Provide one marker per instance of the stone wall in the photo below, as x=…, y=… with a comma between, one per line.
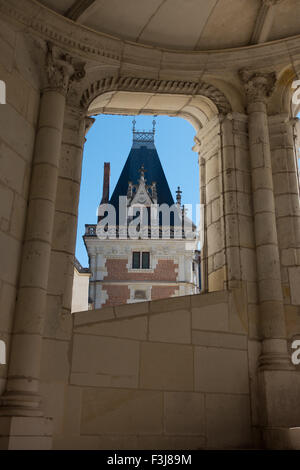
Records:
x=18, y=119
x=171, y=373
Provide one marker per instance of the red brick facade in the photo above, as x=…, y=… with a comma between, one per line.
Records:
x=165, y=271
x=117, y=271
x=117, y=295
x=162, y=292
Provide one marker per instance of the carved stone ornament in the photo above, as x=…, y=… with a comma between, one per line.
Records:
x=150, y=85
x=258, y=86
x=62, y=70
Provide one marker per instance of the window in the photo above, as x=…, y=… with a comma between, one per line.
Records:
x=145, y=260
x=140, y=295
x=140, y=260
x=136, y=260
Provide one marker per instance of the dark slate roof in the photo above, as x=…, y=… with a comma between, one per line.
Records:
x=143, y=154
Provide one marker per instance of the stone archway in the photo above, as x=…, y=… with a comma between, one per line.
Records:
x=197, y=102
x=148, y=85
x=252, y=224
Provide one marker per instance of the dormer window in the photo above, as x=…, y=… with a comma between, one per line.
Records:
x=140, y=260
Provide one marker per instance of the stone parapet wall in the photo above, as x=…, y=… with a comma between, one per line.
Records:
x=170, y=373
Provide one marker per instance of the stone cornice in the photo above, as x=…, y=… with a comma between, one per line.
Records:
x=61, y=31
x=103, y=48
x=148, y=85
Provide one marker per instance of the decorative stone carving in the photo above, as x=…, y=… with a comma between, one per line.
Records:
x=258, y=86
x=149, y=85
x=53, y=27
x=62, y=70
x=139, y=194
x=89, y=122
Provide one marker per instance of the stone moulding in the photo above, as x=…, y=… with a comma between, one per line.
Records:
x=148, y=85
x=79, y=39
x=31, y=15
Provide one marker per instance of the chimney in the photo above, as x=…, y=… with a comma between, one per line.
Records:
x=106, y=179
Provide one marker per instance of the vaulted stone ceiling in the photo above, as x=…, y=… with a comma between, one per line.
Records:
x=186, y=24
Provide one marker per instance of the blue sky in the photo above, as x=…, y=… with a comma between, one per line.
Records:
x=110, y=139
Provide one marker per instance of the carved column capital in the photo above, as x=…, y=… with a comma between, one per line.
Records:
x=89, y=121
x=293, y=121
x=225, y=117
x=258, y=86
x=61, y=71
x=295, y=126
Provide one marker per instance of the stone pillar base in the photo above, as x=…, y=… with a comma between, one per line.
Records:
x=295, y=438
x=282, y=438
x=24, y=433
x=279, y=408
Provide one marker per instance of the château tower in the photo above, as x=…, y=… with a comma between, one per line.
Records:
x=150, y=265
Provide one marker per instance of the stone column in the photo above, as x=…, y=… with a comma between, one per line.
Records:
x=235, y=194
x=278, y=383
x=203, y=247
x=204, y=271
x=286, y=191
x=22, y=396
x=226, y=189
x=58, y=324
x=258, y=87
x=214, y=265
x=61, y=275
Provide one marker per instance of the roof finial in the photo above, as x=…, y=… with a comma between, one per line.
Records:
x=154, y=124
x=178, y=196
x=142, y=172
